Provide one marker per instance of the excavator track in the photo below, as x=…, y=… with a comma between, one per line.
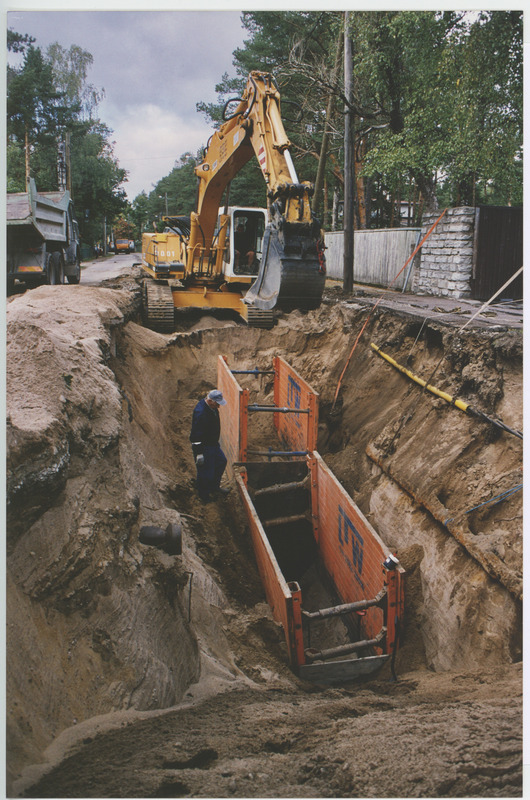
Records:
x=159, y=311
x=258, y=318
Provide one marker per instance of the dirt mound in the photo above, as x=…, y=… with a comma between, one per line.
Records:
x=448, y=735
x=97, y=432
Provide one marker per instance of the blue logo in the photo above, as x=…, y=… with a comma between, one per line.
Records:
x=350, y=539
x=294, y=398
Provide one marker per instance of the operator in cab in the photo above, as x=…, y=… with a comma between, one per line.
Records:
x=204, y=437
x=243, y=247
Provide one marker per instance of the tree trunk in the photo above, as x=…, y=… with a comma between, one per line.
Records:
x=427, y=187
x=319, y=181
x=361, y=187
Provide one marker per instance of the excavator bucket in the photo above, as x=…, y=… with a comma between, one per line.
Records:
x=292, y=273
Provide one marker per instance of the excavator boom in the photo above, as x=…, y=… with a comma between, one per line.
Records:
x=292, y=269
x=286, y=265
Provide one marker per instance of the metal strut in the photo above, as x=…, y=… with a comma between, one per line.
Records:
x=332, y=652
x=346, y=608
x=277, y=409
x=270, y=523
x=255, y=371
x=282, y=487
x=270, y=453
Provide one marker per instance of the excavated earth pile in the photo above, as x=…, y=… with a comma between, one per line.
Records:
x=134, y=673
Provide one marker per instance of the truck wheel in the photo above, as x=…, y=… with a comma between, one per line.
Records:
x=76, y=277
x=55, y=270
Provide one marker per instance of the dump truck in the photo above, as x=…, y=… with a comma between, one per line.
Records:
x=250, y=260
x=42, y=238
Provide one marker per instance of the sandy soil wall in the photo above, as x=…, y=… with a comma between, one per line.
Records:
x=97, y=432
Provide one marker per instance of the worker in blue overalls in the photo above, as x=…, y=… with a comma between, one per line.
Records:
x=209, y=458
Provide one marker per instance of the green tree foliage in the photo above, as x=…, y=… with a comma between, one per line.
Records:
x=179, y=186
x=70, y=71
x=48, y=98
x=35, y=108
x=438, y=102
x=18, y=42
x=96, y=178
x=123, y=228
x=448, y=89
x=140, y=214
x=485, y=71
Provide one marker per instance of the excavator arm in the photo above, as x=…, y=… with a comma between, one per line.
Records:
x=292, y=271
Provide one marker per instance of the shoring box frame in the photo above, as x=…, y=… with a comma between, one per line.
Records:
x=297, y=430
x=350, y=549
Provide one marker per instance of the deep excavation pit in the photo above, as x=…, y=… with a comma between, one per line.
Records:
x=134, y=673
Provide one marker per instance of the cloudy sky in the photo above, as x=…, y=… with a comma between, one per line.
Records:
x=154, y=67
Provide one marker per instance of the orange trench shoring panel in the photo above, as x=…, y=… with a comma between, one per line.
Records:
x=360, y=566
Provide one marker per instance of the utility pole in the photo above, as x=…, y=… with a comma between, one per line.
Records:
x=68, y=163
x=26, y=157
x=349, y=162
x=61, y=167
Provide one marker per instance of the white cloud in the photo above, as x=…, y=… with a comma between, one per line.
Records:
x=155, y=66
x=150, y=139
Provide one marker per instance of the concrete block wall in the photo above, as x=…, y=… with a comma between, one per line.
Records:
x=446, y=264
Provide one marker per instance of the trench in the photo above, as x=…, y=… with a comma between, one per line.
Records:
x=132, y=628
x=458, y=614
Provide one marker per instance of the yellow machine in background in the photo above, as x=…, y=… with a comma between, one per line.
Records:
x=199, y=261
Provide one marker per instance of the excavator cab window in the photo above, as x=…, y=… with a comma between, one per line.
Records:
x=249, y=227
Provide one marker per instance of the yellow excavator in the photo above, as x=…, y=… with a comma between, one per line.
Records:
x=249, y=260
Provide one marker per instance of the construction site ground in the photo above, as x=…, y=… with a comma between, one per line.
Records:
x=132, y=673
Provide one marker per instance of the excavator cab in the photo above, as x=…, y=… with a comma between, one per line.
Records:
x=244, y=243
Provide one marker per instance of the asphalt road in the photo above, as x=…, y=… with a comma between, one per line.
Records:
x=102, y=269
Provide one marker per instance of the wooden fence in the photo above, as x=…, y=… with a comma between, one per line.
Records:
x=378, y=256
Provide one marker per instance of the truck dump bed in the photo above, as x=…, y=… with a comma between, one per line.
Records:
x=44, y=212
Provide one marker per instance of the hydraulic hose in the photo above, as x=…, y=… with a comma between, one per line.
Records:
x=447, y=397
